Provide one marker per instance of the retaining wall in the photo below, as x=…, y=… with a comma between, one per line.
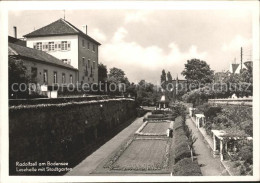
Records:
x=53, y=132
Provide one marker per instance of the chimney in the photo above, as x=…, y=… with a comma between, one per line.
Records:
x=85, y=29
x=15, y=32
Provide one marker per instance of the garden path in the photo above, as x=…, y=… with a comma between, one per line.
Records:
x=92, y=161
x=209, y=165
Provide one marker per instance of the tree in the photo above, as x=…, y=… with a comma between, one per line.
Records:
x=198, y=72
x=18, y=75
x=102, y=73
x=169, y=77
x=163, y=79
x=117, y=76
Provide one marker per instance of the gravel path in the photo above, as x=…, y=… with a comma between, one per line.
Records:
x=210, y=166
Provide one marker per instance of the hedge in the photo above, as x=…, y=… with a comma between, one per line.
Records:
x=181, y=151
x=186, y=167
x=161, y=112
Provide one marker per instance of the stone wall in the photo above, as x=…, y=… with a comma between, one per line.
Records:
x=228, y=101
x=54, y=132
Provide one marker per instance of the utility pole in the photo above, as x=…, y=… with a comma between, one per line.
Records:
x=241, y=55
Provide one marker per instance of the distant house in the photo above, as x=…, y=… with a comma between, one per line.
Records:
x=74, y=47
x=235, y=68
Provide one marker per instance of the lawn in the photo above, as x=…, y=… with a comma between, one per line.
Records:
x=156, y=127
x=144, y=154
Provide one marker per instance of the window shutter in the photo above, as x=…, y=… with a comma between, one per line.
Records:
x=59, y=45
x=69, y=45
x=69, y=61
x=34, y=45
x=44, y=47
x=55, y=46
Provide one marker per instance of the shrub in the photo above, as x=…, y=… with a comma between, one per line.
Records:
x=181, y=151
x=186, y=167
x=246, y=153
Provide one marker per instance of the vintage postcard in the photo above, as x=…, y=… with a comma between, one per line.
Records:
x=123, y=91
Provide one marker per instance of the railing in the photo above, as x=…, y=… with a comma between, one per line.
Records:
x=238, y=101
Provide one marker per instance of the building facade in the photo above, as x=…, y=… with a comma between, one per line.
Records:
x=44, y=69
x=72, y=46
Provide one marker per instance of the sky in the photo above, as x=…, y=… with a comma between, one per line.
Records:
x=143, y=42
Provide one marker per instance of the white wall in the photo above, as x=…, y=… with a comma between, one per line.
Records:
x=72, y=54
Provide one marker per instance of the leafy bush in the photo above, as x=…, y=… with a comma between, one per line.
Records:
x=140, y=112
x=186, y=167
x=209, y=111
x=246, y=153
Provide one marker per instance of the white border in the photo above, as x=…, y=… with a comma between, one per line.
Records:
x=162, y=5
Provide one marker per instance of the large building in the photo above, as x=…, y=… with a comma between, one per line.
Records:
x=72, y=46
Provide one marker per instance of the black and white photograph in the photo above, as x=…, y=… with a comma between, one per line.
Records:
x=161, y=90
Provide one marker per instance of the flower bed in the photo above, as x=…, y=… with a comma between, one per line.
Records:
x=153, y=128
x=134, y=155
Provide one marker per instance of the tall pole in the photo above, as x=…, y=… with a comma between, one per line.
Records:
x=241, y=55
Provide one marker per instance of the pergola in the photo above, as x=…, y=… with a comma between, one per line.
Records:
x=164, y=102
x=191, y=111
x=224, y=140
x=200, y=120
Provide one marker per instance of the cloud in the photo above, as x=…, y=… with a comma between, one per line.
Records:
x=236, y=43
x=139, y=16
x=130, y=56
x=98, y=35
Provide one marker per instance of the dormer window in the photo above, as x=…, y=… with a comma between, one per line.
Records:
x=39, y=46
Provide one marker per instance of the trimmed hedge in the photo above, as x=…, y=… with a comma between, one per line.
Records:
x=182, y=151
x=161, y=112
x=186, y=167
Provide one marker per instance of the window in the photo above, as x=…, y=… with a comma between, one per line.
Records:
x=94, y=47
x=94, y=64
x=34, y=74
x=39, y=46
x=66, y=61
x=83, y=61
x=71, y=79
x=45, y=76
x=65, y=45
x=63, y=78
x=88, y=63
x=51, y=46
x=55, y=77
x=86, y=70
x=88, y=45
x=83, y=43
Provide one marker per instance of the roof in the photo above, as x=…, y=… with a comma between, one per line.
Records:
x=230, y=133
x=234, y=67
x=200, y=115
x=14, y=49
x=16, y=41
x=164, y=99
x=59, y=27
